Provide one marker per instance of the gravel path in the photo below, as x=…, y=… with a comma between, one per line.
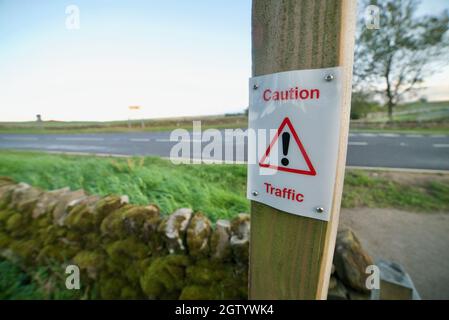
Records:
x=418, y=241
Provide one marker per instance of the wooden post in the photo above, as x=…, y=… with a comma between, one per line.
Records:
x=291, y=256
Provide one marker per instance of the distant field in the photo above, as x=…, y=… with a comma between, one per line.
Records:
x=217, y=190
x=417, y=111
x=231, y=121
x=417, y=117
x=429, y=117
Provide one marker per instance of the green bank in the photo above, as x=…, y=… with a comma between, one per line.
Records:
x=216, y=190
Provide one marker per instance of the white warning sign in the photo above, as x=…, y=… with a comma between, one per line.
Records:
x=294, y=123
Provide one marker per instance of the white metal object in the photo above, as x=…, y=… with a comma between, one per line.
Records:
x=294, y=123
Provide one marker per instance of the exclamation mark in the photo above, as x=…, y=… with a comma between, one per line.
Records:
x=285, y=143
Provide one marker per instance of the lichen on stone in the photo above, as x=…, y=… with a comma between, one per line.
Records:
x=351, y=260
x=67, y=199
x=173, y=229
x=17, y=225
x=240, y=234
x=219, y=242
x=198, y=234
x=82, y=215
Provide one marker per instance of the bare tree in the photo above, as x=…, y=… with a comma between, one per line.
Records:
x=395, y=59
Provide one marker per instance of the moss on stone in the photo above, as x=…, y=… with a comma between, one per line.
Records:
x=196, y=292
x=51, y=234
x=119, y=245
x=17, y=225
x=234, y=286
x=205, y=273
x=110, y=286
x=135, y=269
x=111, y=226
x=164, y=278
x=214, y=291
x=43, y=221
x=128, y=249
x=107, y=205
x=91, y=240
x=5, y=215
x=130, y=220
x=5, y=240
x=129, y=292
x=6, y=195
x=91, y=261
x=27, y=205
x=14, y=222
x=223, y=280
x=80, y=218
x=25, y=250
x=73, y=236
x=51, y=253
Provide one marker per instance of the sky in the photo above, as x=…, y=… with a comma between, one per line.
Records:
x=172, y=58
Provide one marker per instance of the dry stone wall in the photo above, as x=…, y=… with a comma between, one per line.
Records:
x=127, y=251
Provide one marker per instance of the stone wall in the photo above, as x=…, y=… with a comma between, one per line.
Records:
x=128, y=251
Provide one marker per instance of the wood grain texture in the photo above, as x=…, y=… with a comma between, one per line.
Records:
x=291, y=256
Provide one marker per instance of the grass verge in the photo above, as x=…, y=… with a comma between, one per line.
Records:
x=16, y=284
x=217, y=190
x=39, y=284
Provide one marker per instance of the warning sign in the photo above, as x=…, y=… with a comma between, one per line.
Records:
x=293, y=140
x=285, y=162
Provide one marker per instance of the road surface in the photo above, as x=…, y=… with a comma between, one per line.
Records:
x=412, y=151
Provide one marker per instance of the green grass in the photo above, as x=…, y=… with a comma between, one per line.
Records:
x=18, y=284
x=418, y=105
x=415, y=112
x=217, y=190
x=363, y=190
x=417, y=117
x=424, y=131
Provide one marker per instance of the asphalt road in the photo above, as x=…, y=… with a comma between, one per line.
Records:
x=412, y=151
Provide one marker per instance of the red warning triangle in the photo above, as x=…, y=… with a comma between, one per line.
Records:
x=311, y=170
